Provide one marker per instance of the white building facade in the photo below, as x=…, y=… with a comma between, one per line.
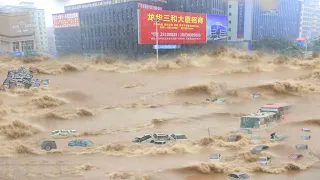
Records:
x=38, y=20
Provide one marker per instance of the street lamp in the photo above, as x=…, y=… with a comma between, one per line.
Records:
x=157, y=40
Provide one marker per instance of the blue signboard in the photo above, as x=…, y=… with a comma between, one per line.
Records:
x=217, y=27
x=167, y=46
x=241, y=13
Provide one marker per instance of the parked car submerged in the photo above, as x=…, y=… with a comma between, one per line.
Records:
x=278, y=137
x=215, y=157
x=302, y=147
x=80, y=142
x=296, y=157
x=305, y=138
x=259, y=149
x=48, y=145
x=306, y=130
x=177, y=136
x=147, y=138
x=234, y=138
x=264, y=160
x=238, y=176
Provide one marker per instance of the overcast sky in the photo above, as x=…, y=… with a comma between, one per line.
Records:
x=50, y=6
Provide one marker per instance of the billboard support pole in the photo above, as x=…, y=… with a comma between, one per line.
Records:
x=157, y=40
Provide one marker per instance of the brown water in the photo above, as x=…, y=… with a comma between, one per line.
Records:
x=111, y=103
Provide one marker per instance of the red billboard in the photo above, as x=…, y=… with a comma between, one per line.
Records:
x=65, y=20
x=173, y=27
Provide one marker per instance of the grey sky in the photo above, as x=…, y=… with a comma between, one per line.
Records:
x=50, y=6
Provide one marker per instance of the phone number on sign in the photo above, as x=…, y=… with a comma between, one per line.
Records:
x=163, y=34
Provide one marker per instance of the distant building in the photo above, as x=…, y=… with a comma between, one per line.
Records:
x=310, y=19
x=16, y=33
x=280, y=19
x=51, y=41
x=38, y=20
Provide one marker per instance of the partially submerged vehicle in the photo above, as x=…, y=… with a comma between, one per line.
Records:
x=301, y=147
x=278, y=137
x=160, y=137
x=256, y=120
x=239, y=176
x=146, y=138
x=306, y=130
x=234, y=138
x=215, y=157
x=80, y=142
x=296, y=157
x=264, y=160
x=259, y=149
x=177, y=136
x=64, y=132
x=281, y=110
x=305, y=138
x=216, y=100
x=48, y=145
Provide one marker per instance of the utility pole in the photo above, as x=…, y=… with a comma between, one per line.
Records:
x=157, y=39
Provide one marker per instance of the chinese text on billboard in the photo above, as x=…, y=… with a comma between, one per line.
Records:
x=217, y=26
x=66, y=20
x=173, y=27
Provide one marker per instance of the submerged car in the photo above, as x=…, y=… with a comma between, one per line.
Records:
x=264, y=160
x=305, y=138
x=302, y=147
x=48, y=145
x=177, y=136
x=160, y=137
x=64, y=132
x=259, y=149
x=306, y=130
x=278, y=137
x=296, y=157
x=215, y=157
x=234, y=138
x=80, y=142
x=147, y=138
x=238, y=176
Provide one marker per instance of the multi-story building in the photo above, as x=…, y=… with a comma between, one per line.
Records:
x=110, y=27
x=277, y=20
x=16, y=33
x=310, y=19
x=38, y=20
x=51, y=41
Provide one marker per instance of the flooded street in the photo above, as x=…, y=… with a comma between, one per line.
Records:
x=111, y=104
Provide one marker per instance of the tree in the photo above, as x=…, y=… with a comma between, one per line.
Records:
x=273, y=44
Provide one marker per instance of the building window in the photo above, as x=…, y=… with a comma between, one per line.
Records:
x=230, y=14
x=229, y=29
x=229, y=22
x=230, y=6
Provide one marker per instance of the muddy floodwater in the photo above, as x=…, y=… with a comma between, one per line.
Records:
x=112, y=102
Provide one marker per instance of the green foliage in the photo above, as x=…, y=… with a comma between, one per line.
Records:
x=273, y=44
